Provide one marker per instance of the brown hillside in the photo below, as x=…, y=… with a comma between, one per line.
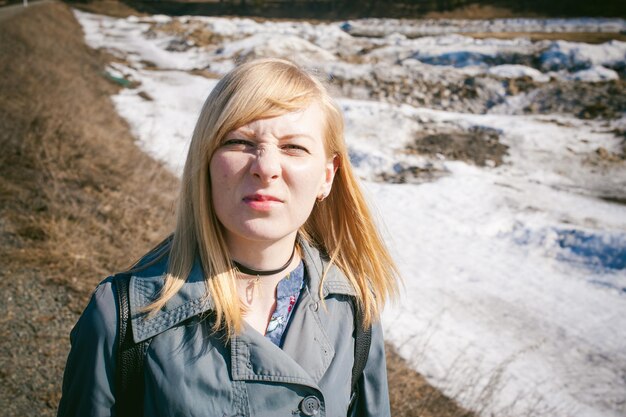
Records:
x=79, y=200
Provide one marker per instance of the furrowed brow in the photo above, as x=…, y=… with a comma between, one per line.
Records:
x=246, y=132
x=296, y=135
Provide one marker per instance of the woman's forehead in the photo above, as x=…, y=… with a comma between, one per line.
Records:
x=304, y=122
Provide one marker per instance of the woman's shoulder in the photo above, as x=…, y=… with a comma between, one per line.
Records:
x=100, y=316
x=98, y=322
x=88, y=378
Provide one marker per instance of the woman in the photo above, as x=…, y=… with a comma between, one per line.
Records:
x=249, y=305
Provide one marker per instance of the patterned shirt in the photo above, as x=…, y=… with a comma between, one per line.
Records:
x=287, y=294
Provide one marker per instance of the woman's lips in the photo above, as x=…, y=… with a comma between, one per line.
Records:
x=261, y=202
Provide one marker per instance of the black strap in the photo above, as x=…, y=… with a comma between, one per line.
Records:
x=130, y=357
x=362, y=342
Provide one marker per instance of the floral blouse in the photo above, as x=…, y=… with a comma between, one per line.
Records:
x=287, y=294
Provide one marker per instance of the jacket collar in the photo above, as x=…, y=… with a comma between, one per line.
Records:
x=335, y=281
x=192, y=299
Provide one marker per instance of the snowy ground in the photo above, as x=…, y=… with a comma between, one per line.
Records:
x=514, y=263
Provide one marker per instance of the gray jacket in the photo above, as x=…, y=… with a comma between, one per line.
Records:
x=190, y=371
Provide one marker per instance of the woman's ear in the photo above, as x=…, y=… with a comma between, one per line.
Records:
x=330, y=169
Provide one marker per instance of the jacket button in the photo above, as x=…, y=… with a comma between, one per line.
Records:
x=310, y=406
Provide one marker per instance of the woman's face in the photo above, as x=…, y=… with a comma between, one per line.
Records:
x=266, y=176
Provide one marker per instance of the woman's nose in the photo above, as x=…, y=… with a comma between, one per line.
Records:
x=266, y=164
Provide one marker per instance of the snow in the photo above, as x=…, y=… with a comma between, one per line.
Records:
x=428, y=27
x=572, y=55
x=518, y=71
x=163, y=124
x=282, y=46
x=514, y=299
x=594, y=74
x=125, y=39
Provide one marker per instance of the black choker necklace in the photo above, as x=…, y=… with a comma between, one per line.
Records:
x=249, y=271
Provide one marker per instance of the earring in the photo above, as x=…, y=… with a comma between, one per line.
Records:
x=321, y=198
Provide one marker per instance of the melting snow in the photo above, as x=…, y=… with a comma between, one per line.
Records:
x=515, y=273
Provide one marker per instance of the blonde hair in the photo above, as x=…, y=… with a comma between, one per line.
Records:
x=341, y=225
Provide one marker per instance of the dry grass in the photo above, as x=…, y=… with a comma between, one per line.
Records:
x=587, y=37
x=79, y=200
x=195, y=32
x=477, y=11
x=412, y=396
x=112, y=8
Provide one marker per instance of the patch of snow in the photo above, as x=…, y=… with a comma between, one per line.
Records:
x=575, y=55
x=164, y=123
x=280, y=46
x=377, y=27
x=515, y=294
x=518, y=71
x=594, y=74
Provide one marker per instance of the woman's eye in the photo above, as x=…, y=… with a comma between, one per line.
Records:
x=294, y=149
x=238, y=143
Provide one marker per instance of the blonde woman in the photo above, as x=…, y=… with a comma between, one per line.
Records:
x=253, y=305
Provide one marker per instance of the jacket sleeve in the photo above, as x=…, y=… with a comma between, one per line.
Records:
x=90, y=370
x=373, y=395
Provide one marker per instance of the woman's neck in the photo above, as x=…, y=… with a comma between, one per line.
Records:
x=263, y=255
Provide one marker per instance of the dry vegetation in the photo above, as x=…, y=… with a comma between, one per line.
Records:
x=586, y=37
x=78, y=197
x=412, y=396
x=112, y=8
x=477, y=11
x=79, y=200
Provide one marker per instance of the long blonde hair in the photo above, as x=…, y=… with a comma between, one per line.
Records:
x=341, y=225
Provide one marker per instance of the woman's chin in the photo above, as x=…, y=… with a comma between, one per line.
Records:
x=267, y=234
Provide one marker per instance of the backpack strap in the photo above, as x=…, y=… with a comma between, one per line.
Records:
x=130, y=357
x=362, y=342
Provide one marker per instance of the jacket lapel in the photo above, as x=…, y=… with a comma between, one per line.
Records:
x=304, y=358
x=306, y=341
x=307, y=352
x=256, y=358
x=145, y=287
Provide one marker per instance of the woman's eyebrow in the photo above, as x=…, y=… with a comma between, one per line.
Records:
x=243, y=131
x=296, y=135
